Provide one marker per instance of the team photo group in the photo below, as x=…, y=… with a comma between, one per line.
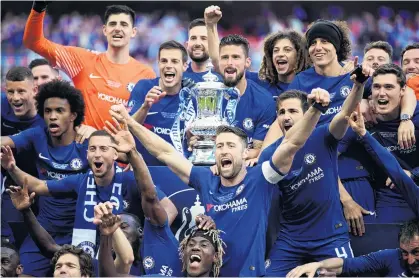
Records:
x=204, y=162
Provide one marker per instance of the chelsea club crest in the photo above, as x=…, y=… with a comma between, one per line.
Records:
x=76, y=164
x=148, y=262
x=248, y=124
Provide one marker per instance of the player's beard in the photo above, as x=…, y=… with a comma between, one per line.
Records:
x=234, y=172
x=199, y=59
x=235, y=81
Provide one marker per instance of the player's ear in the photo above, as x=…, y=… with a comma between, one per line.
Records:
x=216, y=258
x=185, y=66
x=245, y=154
x=248, y=62
x=404, y=89
x=104, y=30
x=73, y=116
x=134, y=32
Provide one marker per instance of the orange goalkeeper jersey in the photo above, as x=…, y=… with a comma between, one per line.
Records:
x=413, y=83
x=101, y=82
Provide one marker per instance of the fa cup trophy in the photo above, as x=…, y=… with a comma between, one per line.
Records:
x=210, y=99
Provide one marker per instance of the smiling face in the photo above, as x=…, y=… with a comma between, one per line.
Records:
x=43, y=74
x=197, y=45
x=290, y=111
x=171, y=67
x=322, y=52
x=376, y=57
x=410, y=63
x=233, y=62
x=410, y=254
x=284, y=56
x=199, y=257
x=58, y=116
x=386, y=95
x=68, y=265
x=119, y=30
x=21, y=97
x=101, y=156
x=230, y=154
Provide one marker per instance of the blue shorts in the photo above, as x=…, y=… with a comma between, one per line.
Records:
x=362, y=192
x=288, y=254
x=392, y=214
x=34, y=263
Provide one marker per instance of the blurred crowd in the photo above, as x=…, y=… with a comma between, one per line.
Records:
x=396, y=27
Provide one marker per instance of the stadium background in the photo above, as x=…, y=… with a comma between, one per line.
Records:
x=79, y=24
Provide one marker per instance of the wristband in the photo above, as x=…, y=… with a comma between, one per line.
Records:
x=320, y=107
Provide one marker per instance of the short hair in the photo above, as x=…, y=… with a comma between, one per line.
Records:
x=41, y=62
x=408, y=231
x=85, y=260
x=101, y=132
x=391, y=69
x=232, y=129
x=61, y=89
x=196, y=22
x=6, y=244
x=345, y=50
x=17, y=74
x=174, y=45
x=290, y=94
x=267, y=70
x=408, y=47
x=237, y=40
x=380, y=45
x=214, y=236
x=119, y=9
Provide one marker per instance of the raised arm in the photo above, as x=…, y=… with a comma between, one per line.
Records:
x=297, y=136
x=339, y=124
x=387, y=162
x=212, y=15
x=8, y=162
x=22, y=202
x=152, y=208
x=155, y=145
x=406, y=132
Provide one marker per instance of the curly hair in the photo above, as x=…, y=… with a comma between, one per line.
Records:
x=217, y=242
x=61, y=89
x=345, y=50
x=86, y=265
x=267, y=70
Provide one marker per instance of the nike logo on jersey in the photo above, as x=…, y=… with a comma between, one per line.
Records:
x=92, y=76
x=43, y=157
x=8, y=126
x=152, y=113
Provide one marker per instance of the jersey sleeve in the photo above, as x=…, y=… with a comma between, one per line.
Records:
x=199, y=178
x=67, y=58
x=367, y=89
x=267, y=118
x=67, y=185
x=24, y=140
x=376, y=262
x=346, y=141
x=389, y=164
x=137, y=97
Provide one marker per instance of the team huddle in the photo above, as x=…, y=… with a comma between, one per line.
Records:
x=325, y=142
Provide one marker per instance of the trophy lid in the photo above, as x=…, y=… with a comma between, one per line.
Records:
x=210, y=79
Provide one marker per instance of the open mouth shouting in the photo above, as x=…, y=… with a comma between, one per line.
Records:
x=287, y=126
x=169, y=76
x=230, y=72
x=226, y=163
x=117, y=37
x=98, y=166
x=17, y=107
x=281, y=64
x=382, y=102
x=53, y=128
x=194, y=260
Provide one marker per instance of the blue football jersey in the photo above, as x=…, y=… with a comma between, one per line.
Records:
x=159, y=251
x=198, y=76
x=56, y=214
x=241, y=211
x=311, y=208
x=274, y=89
x=255, y=112
x=160, y=119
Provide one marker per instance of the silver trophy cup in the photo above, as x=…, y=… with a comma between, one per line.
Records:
x=209, y=96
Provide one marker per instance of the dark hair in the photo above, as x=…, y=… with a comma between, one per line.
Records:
x=232, y=129
x=85, y=260
x=41, y=62
x=19, y=74
x=391, y=69
x=196, y=22
x=101, y=132
x=267, y=70
x=345, y=49
x=61, y=89
x=408, y=231
x=380, y=45
x=174, y=45
x=293, y=94
x=236, y=40
x=119, y=9
x=6, y=244
x=411, y=46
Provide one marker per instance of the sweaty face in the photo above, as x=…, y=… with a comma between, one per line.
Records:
x=322, y=52
x=128, y=227
x=386, y=95
x=20, y=95
x=68, y=265
x=233, y=63
x=43, y=74
x=289, y=113
x=171, y=67
x=229, y=155
x=410, y=63
x=199, y=256
x=58, y=116
x=100, y=155
x=284, y=57
x=376, y=57
x=410, y=254
x=9, y=263
x=198, y=44
x=119, y=30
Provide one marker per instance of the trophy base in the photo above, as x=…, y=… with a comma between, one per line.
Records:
x=203, y=154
